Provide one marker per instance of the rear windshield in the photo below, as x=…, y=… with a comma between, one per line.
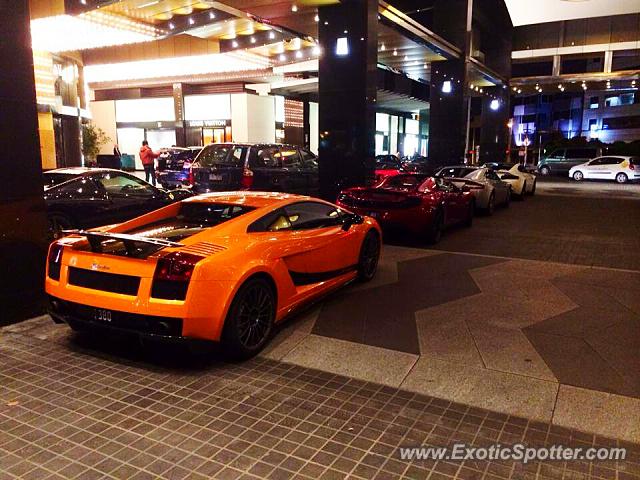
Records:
x=458, y=172
x=53, y=178
x=403, y=182
x=221, y=155
x=193, y=218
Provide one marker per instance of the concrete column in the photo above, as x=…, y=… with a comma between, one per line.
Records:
x=22, y=211
x=347, y=94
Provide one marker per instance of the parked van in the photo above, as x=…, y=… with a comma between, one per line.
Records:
x=563, y=159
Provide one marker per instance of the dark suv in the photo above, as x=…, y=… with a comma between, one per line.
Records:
x=174, y=167
x=264, y=167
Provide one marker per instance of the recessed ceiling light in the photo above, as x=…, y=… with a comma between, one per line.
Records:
x=294, y=8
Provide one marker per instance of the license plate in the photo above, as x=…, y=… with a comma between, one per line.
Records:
x=215, y=178
x=101, y=315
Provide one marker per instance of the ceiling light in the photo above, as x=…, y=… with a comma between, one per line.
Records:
x=253, y=39
x=89, y=30
x=316, y=50
x=316, y=18
x=342, y=46
x=282, y=57
x=294, y=8
x=171, y=26
x=234, y=44
x=189, y=65
x=145, y=5
x=395, y=53
x=494, y=105
x=212, y=15
x=299, y=54
x=382, y=48
x=272, y=35
x=471, y=86
x=191, y=21
x=446, y=87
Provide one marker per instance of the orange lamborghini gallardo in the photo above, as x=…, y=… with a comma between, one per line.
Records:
x=221, y=267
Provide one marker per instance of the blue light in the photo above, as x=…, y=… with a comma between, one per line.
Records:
x=495, y=104
x=446, y=86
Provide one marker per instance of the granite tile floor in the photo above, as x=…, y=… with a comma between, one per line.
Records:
x=74, y=407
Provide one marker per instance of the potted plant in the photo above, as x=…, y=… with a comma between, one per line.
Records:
x=93, y=138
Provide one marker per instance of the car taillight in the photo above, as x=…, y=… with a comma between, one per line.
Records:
x=54, y=260
x=247, y=179
x=172, y=275
x=191, y=176
x=631, y=166
x=176, y=267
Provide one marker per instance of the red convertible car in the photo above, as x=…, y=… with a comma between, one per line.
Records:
x=418, y=203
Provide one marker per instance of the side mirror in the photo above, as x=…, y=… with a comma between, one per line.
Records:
x=351, y=220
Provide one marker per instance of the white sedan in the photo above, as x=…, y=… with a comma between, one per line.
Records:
x=522, y=182
x=612, y=167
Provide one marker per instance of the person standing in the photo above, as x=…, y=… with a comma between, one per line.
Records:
x=117, y=156
x=147, y=157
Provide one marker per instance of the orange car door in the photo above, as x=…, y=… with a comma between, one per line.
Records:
x=325, y=247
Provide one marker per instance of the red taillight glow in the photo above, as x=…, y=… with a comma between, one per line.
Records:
x=176, y=267
x=191, y=176
x=247, y=179
x=632, y=166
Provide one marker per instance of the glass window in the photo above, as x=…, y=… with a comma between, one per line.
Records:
x=308, y=215
x=193, y=218
x=382, y=122
x=55, y=178
x=80, y=188
x=290, y=157
x=594, y=102
x=267, y=157
x=309, y=160
x=491, y=175
x=121, y=184
x=219, y=155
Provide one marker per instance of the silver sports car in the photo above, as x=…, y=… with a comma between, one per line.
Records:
x=485, y=184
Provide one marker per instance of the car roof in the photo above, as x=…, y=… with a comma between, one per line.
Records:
x=80, y=170
x=251, y=199
x=245, y=144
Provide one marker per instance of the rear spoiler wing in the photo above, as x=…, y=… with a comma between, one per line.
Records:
x=96, y=238
x=466, y=181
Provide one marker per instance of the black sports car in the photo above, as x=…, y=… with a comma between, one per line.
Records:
x=92, y=197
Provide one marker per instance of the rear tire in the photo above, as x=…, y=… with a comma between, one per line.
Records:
x=434, y=232
x=622, y=178
x=469, y=220
x=523, y=192
x=369, y=256
x=491, y=205
x=250, y=319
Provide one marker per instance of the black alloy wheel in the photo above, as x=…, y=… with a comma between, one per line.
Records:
x=369, y=256
x=491, y=206
x=250, y=319
x=434, y=232
x=468, y=222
